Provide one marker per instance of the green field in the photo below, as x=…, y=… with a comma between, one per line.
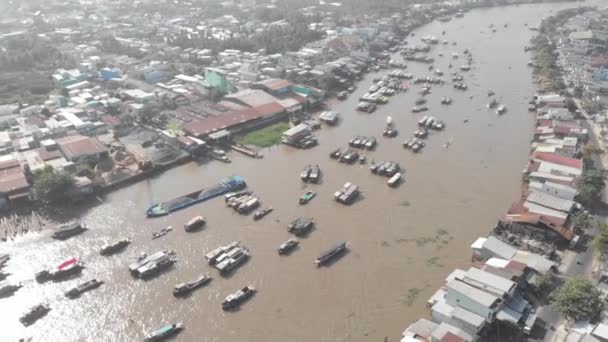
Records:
x=264, y=137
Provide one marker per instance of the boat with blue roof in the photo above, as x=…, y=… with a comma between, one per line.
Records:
x=226, y=185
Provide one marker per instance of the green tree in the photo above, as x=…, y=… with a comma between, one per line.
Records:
x=578, y=299
x=85, y=169
x=149, y=111
x=590, y=185
x=600, y=240
x=582, y=220
x=52, y=186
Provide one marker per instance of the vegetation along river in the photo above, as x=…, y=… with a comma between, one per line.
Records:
x=402, y=242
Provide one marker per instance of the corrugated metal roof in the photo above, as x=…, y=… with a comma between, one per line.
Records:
x=550, y=201
x=499, y=248
x=508, y=314
x=539, y=209
x=422, y=327
x=488, y=282
x=468, y=317
x=534, y=261
x=472, y=293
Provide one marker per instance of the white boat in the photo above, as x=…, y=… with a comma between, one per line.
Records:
x=389, y=120
x=501, y=109
x=394, y=181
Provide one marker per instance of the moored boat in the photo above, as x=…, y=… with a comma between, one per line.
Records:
x=34, y=314
x=69, y=230
x=164, y=332
x=288, y=246
x=501, y=109
x=214, y=255
x=115, y=247
x=8, y=290
x=305, y=173
x=196, y=222
x=226, y=185
x=82, y=288
x=258, y=215
x=314, y=175
x=300, y=226
x=185, y=288
x=307, y=197
x=161, y=232
x=394, y=181
x=331, y=253
x=233, y=300
x=66, y=269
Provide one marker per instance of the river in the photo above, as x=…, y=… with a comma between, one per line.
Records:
x=403, y=242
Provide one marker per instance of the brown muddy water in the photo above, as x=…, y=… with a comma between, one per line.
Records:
x=403, y=241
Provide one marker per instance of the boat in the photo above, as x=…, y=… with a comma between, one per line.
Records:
x=164, y=332
x=153, y=268
x=314, y=175
x=233, y=300
x=141, y=264
x=421, y=133
x=422, y=121
x=347, y=194
x=370, y=143
x=390, y=132
x=305, y=173
x=225, y=185
x=307, y=197
x=34, y=314
x=231, y=259
x=493, y=103
x=231, y=195
x=288, y=246
x=82, y=288
x=4, y=258
x=161, y=232
x=214, y=255
x=69, y=230
x=258, y=215
x=8, y=290
x=196, y=222
x=389, y=121
x=490, y=93
x=115, y=247
x=66, y=269
x=394, y=180
x=342, y=95
x=420, y=101
x=331, y=253
x=446, y=101
x=247, y=206
x=185, y=288
x=300, y=226
x=501, y=109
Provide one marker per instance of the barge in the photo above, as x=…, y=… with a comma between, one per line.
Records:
x=287, y=246
x=164, y=332
x=233, y=300
x=76, y=291
x=115, y=247
x=225, y=185
x=331, y=253
x=34, y=314
x=183, y=289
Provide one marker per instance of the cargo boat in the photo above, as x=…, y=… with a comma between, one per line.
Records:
x=305, y=173
x=314, y=175
x=164, y=332
x=153, y=258
x=195, y=223
x=331, y=253
x=34, y=314
x=69, y=230
x=232, y=260
x=300, y=226
x=348, y=193
x=9, y=289
x=82, y=288
x=235, y=299
x=258, y=215
x=115, y=247
x=183, y=289
x=66, y=269
x=225, y=185
x=288, y=246
x=307, y=197
x=394, y=181
x=216, y=253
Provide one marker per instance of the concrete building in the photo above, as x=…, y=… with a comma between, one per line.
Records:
x=78, y=147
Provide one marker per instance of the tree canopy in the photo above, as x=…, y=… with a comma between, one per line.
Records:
x=600, y=240
x=52, y=186
x=590, y=185
x=578, y=299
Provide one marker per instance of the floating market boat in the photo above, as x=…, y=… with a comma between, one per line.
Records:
x=112, y=248
x=69, y=230
x=183, y=289
x=65, y=269
x=307, y=197
x=233, y=300
x=82, y=288
x=314, y=175
x=305, y=173
x=258, y=215
x=196, y=222
x=300, y=226
x=225, y=185
x=288, y=246
x=331, y=253
x=164, y=332
x=34, y=314
x=7, y=290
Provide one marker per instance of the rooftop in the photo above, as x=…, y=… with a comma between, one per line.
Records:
x=75, y=146
x=473, y=293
